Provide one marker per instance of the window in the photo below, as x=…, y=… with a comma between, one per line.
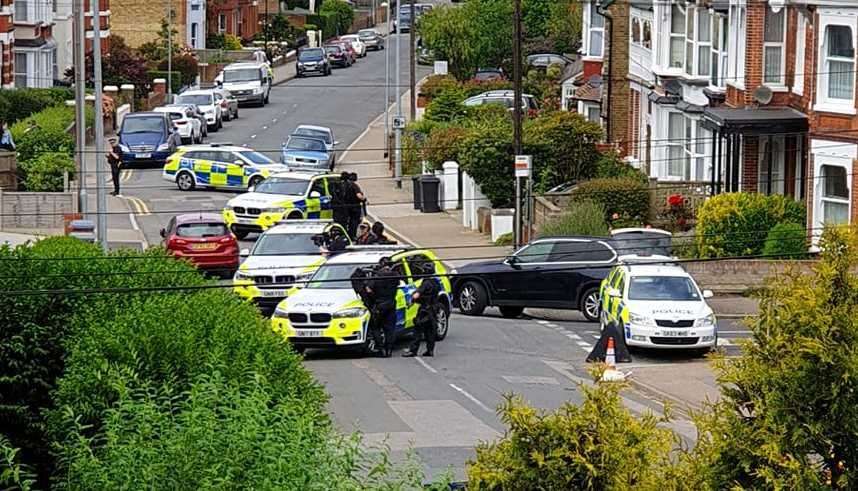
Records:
x=596, y=30
x=798, y=84
x=771, y=148
x=194, y=29
x=720, y=37
x=594, y=114
x=319, y=187
x=20, y=70
x=736, y=73
x=21, y=11
x=195, y=7
x=646, y=36
x=535, y=253
x=840, y=63
x=773, y=47
x=636, y=30
x=835, y=194
x=641, y=32
x=221, y=23
x=574, y=251
x=676, y=156
x=688, y=147
x=677, y=36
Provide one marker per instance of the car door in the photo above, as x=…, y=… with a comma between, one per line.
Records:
x=418, y=266
x=218, y=164
x=313, y=202
x=325, y=203
x=518, y=281
x=575, y=264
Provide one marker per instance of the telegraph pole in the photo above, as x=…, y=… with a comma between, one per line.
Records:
x=99, y=125
x=413, y=64
x=516, y=124
x=397, y=126
x=169, y=51
x=79, y=62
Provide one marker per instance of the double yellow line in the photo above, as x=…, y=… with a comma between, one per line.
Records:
x=140, y=206
x=125, y=175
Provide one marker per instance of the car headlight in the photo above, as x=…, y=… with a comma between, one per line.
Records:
x=210, y=110
x=350, y=313
x=304, y=277
x=124, y=148
x=163, y=147
x=274, y=210
x=641, y=320
x=257, y=90
x=281, y=313
x=707, y=321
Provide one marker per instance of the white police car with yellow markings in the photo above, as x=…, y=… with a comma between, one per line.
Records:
x=327, y=313
x=218, y=166
x=284, y=256
x=283, y=196
x=657, y=305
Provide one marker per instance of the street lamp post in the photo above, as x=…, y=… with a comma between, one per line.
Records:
x=386, y=5
x=169, y=51
x=397, y=130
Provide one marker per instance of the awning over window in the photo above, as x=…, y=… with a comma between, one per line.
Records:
x=755, y=121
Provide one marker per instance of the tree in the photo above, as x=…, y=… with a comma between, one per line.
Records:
x=343, y=13
x=277, y=29
x=788, y=416
x=167, y=35
x=120, y=65
x=185, y=64
x=450, y=34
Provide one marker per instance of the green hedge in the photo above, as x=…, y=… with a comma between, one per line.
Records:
x=176, y=81
x=627, y=197
x=46, y=172
x=786, y=241
x=17, y=104
x=734, y=224
x=584, y=218
x=327, y=22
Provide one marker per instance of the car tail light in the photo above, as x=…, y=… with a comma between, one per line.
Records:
x=177, y=242
x=227, y=240
x=224, y=104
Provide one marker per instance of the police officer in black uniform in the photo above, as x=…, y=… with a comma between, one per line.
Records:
x=426, y=322
x=338, y=200
x=383, y=287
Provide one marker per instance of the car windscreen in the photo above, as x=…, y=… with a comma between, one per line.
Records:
x=405, y=13
x=256, y=158
x=319, y=134
x=198, y=99
x=201, y=230
x=152, y=124
x=642, y=244
x=337, y=276
x=483, y=76
x=366, y=34
x=311, y=55
x=306, y=144
x=660, y=288
x=241, y=75
x=333, y=49
x=175, y=116
x=282, y=185
x=285, y=245
x=350, y=39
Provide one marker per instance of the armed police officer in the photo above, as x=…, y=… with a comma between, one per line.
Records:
x=426, y=322
x=383, y=287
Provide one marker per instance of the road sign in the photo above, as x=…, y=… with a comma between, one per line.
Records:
x=399, y=122
x=523, y=164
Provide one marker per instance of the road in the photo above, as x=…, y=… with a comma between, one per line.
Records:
x=347, y=101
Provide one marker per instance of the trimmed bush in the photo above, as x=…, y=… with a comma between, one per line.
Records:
x=737, y=224
x=446, y=106
x=611, y=165
x=435, y=84
x=18, y=104
x=583, y=218
x=45, y=132
x=231, y=42
x=342, y=13
x=626, y=197
x=786, y=241
x=46, y=172
x=443, y=145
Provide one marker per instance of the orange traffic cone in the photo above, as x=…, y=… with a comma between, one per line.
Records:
x=610, y=355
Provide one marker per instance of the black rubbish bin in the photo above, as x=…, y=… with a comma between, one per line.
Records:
x=429, y=190
x=418, y=197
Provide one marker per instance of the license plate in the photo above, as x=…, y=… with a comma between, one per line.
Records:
x=674, y=334
x=273, y=293
x=203, y=247
x=143, y=155
x=308, y=333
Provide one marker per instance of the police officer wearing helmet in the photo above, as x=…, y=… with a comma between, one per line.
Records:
x=383, y=288
x=426, y=322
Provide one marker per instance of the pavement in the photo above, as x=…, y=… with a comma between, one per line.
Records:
x=13, y=239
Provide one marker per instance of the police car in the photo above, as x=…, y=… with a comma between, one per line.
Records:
x=282, y=257
x=286, y=195
x=218, y=166
x=658, y=305
x=328, y=312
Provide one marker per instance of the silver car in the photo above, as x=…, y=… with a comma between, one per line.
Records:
x=322, y=133
x=228, y=103
x=372, y=39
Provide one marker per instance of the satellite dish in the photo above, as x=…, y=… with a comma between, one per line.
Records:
x=673, y=87
x=763, y=95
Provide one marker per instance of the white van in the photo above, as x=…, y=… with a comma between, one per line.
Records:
x=247, y=81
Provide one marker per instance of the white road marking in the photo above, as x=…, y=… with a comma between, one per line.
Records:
x=544, y=323
x=733, y=332
x=555, y=326
x=425, y=365
x=526, y=379
x=274, y=120
x=573, y=335
x=252, y=136
x=133, y=221
x=596, y=336
x=471, y=398
x=584, y=344
x=264, y=127
x=724, y=342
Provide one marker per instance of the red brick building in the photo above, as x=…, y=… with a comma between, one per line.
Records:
x=237, y=17
x=7, y=39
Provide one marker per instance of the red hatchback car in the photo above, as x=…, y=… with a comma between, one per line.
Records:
x=205, y=240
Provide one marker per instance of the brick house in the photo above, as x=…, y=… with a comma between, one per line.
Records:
x=7, y=40
x=64, y=31
x=237, y=17
x=138, y=22
x=34, y=51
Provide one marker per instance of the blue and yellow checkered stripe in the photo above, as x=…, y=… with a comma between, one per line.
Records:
x=208, y=173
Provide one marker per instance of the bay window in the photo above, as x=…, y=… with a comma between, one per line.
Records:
x=840, y=63
x=21, y=70
x=834, y=198
x=594, y=28
x=676, y=156
x=687, y=148
x=641, y=32
x=720, y=36
x=773, y=47
x=704, y=44
x=677, y=36
x=695, y=37
x=772, y=151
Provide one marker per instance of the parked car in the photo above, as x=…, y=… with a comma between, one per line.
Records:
x=303, y=152
x=204, y=240
x=147, y=138
x=545, y=60
x=338, y=56
x=321, y=132
x=312, y=60
x=197, y=114
x=205, y=101
x=188, y=126
x=348, y=47
x=551, y=272
x=248, y=82
x=218, y=166
x=228, y=103
x=504, y=98
x=372, y=39
x=357, y=44
x=425, y=56
x=489, y=74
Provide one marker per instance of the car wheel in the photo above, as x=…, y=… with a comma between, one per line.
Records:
x=267, y=97
x=239, y=233
x=213, y=128
x=511, y=312
x=219, y=123
x=443, y=325
x=235, y=116
x=185, y=181
x=472, y=298
x=589, y=304
x=254, y=181
x=299, y=349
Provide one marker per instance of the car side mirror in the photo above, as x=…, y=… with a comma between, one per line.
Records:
x=512, y=261
x=336, y=143
x=244, y=252
x=315, y=194
x=163, y=233
x=238, y=162
x=708, y=294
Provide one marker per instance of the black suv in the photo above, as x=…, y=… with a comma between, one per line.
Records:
x=312, y=60
x=551, y=272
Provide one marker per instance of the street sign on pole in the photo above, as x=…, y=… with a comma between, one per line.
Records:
x=399, y=122
x=523, y=164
